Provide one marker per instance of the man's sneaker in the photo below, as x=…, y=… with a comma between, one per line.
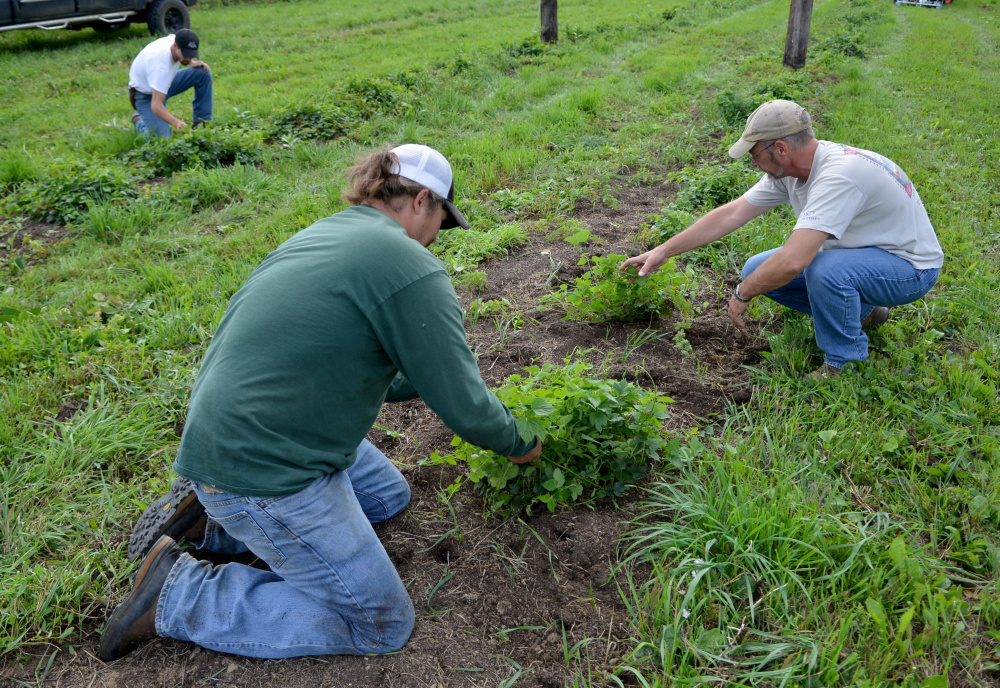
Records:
x=178, y=514
x=134, y=620
x=199, y=123
x=136, y=118
x=875, y=319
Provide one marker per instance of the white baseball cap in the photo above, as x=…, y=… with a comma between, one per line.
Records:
x=427, y=167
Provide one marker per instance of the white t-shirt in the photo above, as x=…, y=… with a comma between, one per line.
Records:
x=861, y=199
x=154, y=68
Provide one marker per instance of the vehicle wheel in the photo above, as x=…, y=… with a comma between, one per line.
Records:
x=167, y=16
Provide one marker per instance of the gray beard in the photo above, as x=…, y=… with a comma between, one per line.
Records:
x=781, y=170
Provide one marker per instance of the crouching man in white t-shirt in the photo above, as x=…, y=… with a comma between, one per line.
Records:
x=156, y=76
x=862, y=241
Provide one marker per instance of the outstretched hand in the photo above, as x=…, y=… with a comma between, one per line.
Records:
x=647, y=263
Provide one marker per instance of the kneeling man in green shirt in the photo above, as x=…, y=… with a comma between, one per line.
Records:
x=349, y=313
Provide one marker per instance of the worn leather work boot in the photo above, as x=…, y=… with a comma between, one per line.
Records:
x=134, y=620
x=178, y=514
x=824, y=371
x=875, y=319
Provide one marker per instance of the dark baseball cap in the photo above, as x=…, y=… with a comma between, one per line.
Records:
x=187, y=41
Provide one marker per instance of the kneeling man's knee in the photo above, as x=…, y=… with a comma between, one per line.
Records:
x=753, y=263
x=392, y=630
x=397, y=632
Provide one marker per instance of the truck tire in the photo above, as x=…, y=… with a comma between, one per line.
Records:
x=167, y=16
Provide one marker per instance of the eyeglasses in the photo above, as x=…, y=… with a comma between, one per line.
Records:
x=753, y=156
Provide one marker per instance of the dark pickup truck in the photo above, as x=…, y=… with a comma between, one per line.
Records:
x=162, y=16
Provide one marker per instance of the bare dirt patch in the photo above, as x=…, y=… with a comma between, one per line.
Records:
x=508, y=595
x=28, y=239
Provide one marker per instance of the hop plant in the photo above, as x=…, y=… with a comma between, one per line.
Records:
x=604, y=293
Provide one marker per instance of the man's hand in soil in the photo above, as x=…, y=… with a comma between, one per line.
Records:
x=530, y=457
x=736, y=308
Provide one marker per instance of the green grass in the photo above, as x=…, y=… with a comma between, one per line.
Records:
x=844, y=532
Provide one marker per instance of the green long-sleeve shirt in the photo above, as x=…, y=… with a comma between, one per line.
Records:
x=346, y=314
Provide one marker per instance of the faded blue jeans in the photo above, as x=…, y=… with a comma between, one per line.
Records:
x=332, y=588
x=841, y=287
x=198, y=78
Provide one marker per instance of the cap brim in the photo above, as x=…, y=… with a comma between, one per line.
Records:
x=190, y=54
x=741, y=148
x=455, y=218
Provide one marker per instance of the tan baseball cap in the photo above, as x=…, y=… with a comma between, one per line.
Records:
x=774, y=119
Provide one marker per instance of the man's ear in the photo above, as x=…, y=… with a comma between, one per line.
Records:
x=421, y=202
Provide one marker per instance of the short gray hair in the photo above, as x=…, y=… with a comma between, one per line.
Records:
x=796, y=141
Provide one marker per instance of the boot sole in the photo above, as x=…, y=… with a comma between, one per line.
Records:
x=175, y=511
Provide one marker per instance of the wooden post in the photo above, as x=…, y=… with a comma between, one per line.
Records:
x=550, y=24
x=797, y=41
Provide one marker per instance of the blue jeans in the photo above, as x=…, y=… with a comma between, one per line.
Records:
x=332, y=588
x=841, y=287
x=198, y=78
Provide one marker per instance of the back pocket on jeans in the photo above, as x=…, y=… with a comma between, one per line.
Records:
x=244, y=528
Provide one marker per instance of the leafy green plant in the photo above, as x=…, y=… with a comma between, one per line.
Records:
x=471, y=280
x=664, y=225
x=529, y=47
x=846, y=44
x=734, y=108
x=371, y=96
x=310, y=121
x=714, y=184
x=600, y=437
x=201, y=147
x=604, y=293
x=334, y=114
x=581, y=236
x=68, y=189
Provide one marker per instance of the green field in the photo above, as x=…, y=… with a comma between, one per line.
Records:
x=843, y=533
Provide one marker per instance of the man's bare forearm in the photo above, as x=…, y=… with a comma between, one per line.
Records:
x=710, y=227
x=774, y=273
x=159, y=108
